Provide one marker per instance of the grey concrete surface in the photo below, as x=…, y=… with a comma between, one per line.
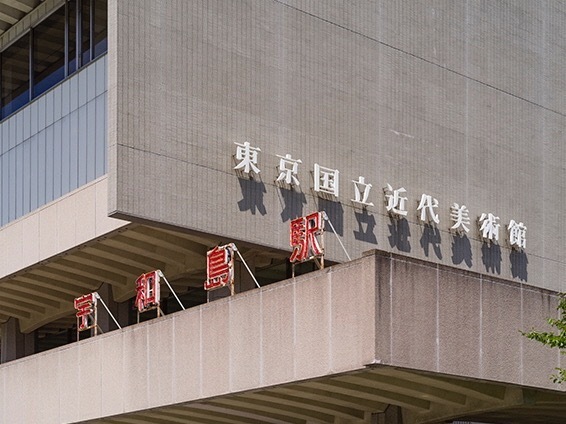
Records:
x=462, y=101
x=380, y=309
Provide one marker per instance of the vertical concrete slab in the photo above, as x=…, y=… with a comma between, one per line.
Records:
x=245, y=323
x=312, y=325
x=67, y=216
x=68, y=370
x=278, y=333
x=30, y=234
x=215, y=355
x=86, y=222
x=13, y=378
x=136, y=363
x=161, y=361
x=186, y=379
x=459, y=307
x=383, y=310
x=352, y=329
x=414, y=315
x=89, y=370
x=538, y=362
x=112, y=374
x=48, y=377
x=501, y=322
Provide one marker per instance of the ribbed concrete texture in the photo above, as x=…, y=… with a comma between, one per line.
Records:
x=463, y=101
x=379, y=311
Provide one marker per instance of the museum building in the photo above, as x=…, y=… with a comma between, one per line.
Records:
x=387, y=179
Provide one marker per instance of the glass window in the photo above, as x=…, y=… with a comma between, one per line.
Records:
x=100, y=30
x=72, y=35
x=66, y=40
x=49, y=52
x=15, y=76
x=85, y=31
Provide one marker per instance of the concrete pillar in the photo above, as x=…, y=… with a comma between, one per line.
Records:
x=14, y=342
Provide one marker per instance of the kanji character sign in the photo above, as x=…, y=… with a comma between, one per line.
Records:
x=86, y=309
x=148, y=292
x=303, y=237
x=219, y=267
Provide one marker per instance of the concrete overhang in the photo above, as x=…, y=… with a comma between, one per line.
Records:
x=376, y=335
x=12, y=11
x=377, y=395
x=70, y=247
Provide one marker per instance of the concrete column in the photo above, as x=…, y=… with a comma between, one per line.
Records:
x=13, y=341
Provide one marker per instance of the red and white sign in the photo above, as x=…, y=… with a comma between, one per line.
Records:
x=303, y=237
x=86, y=308
x=219, y=267
x=148, y=292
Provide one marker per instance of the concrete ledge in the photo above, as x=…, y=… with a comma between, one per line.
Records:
x=377, y=309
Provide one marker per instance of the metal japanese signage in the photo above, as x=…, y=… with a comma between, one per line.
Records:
x=220, y=268
x=304, y=237
x=87, y=314
x=327, y=184
x=148, y=292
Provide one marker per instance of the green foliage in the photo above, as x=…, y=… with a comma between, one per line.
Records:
x=554, y=339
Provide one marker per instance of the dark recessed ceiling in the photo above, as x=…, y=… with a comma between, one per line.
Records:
x=11, y=11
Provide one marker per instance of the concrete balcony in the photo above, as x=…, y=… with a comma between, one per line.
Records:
x=373, y=339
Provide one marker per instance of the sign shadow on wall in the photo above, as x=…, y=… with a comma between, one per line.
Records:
x=491, y=257
x=399, y=234
x=292, y=203
x=519, y=263
x=252, y=196
x=335, y=213
x=367, y=221
x=431, y=237
x=461, y=250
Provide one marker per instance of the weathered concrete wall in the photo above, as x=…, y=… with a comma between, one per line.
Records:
x=444, y=320
x=376, y=309
x=460, y=100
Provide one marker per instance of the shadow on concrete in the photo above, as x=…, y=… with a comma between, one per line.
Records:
x=367, y=221
x=431, y=237
x=399, y=234
x=292, y=202
x=491, y=257
x=335, y=213
x=519, y=262
x=252, y=196
x=461, y=250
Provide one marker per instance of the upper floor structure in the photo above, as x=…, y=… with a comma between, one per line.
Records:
x=138, y=134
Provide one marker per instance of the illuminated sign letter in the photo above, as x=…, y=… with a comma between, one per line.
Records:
x=86, y=309
x=219, y=267
x=303, y=237
x=148, y=291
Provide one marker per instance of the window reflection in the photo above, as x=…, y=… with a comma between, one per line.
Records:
x=15, y=76
x=69, y=38
x=72, y=35
x=85, y=31
x=49, y=52
x=100, y=30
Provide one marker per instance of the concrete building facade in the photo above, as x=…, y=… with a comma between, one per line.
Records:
x=430, y=133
